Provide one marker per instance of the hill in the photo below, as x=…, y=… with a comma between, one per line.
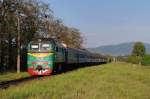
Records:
x=110, y=81
x=116, y=50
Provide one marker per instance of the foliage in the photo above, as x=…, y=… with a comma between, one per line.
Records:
x=139, y=55
x=134, y=59
x=110, y=81
x=139, y=49
x=30, y=18
x=145, y=60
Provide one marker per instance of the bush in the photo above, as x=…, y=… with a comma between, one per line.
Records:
x=134, y=59
x=145, y=60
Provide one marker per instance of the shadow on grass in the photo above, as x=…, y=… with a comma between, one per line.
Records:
x=65, y=68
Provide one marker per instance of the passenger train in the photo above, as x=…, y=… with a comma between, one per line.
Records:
x=46, y=56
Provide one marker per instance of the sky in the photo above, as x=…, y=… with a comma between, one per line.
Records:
x=105, y=22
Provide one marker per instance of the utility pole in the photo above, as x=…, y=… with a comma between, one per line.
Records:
x=18, y=44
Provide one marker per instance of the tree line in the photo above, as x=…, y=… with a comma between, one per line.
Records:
x=137, y=56
x=31, y=19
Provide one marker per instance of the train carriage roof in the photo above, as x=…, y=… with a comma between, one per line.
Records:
x=81, y=51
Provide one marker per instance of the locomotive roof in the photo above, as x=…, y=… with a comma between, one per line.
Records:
x=56, y=42
x=42, y=39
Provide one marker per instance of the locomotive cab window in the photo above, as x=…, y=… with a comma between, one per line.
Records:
x=46, y=46
x=34, y=47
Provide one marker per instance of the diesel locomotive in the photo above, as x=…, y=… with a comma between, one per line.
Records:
x=47, y=55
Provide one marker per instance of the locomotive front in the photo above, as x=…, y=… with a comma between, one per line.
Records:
x=40, y=57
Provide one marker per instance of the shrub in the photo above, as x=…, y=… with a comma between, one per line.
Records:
x=134, y=59
x=145, y=60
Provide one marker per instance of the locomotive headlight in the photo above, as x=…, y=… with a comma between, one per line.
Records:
x=39, y=63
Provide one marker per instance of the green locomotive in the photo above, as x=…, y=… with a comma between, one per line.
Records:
x=42, y=56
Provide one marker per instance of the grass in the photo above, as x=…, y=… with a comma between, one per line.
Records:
x=110, y=81
x=12, y=76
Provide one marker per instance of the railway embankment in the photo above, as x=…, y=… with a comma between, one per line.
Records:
x=109, y=81
x=12, y=76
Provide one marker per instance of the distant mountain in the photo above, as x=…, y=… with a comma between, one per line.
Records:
x=116, y=50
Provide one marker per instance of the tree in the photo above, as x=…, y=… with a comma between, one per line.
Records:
x=139, y=49
x=138, y=53
x=10, y=12
x=29, y=19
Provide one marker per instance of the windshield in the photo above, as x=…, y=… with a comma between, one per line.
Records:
x=40, y=46
x=34, y=46
x=46, y=46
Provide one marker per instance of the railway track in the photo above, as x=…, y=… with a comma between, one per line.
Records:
x=7, y=84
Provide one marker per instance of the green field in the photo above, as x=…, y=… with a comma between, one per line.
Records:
x=12, y=76
x=110, y=81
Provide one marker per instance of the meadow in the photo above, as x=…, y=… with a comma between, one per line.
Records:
x=109, y=81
